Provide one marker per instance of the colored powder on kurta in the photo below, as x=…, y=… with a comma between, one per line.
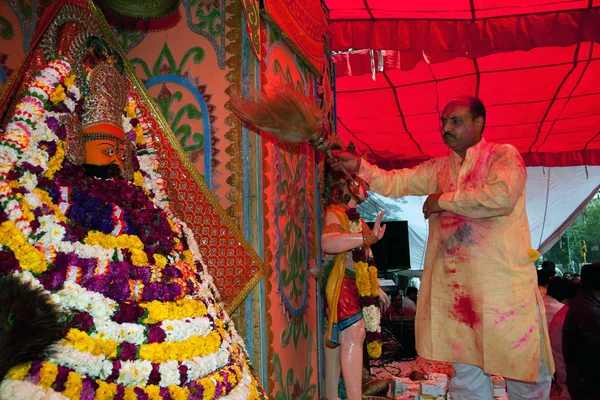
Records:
x=503, y=317
x=464, y=311
x=524, y=339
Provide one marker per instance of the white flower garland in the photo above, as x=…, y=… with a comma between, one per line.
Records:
x=25, y=390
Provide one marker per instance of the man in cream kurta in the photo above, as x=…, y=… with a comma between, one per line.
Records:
x=479, y=306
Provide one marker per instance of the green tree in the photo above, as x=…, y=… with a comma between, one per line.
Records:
x=584, y=228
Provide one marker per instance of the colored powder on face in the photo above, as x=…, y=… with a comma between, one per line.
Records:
x=464, y=311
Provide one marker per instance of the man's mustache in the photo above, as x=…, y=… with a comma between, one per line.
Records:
x=448, y=134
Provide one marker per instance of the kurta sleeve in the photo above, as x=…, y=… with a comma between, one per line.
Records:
x=399, y=182
x=504, y=186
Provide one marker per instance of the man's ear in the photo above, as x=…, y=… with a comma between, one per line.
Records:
x=479, y=121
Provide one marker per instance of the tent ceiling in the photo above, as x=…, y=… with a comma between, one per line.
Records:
x=536, y=73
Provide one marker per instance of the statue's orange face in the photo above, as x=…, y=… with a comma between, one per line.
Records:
x=104, y=152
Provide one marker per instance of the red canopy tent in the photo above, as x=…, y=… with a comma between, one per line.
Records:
x=534, y=63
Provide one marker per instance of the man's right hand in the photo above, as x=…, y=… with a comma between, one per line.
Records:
x=346, y=159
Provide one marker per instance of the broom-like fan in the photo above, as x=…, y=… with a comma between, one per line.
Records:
x=288, y=115
x=284, y=112
x=29, y=323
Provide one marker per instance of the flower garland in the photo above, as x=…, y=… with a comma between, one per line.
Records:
x=142, y=317
x=368, y=287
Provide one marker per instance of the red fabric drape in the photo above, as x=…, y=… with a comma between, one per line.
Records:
x=444, y=40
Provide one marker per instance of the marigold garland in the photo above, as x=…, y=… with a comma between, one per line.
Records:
x=78, y=265
x=27, y=255
x=179, y=309
x=180, y=351
x=368, y=288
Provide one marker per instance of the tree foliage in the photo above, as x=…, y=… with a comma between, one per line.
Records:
x=585, y=228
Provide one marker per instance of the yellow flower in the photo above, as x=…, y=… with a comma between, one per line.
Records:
x=130, y=109
x=180, y=309
x=130, y=393
x=374, y=281
x=160, y=260
x=193, y=347
x=45, y=198
x=105, y=391
x=363, y=282
x=73, y=386
x=56, y=162
x=178, y=393
x=209, y=388
x=110, y=242
x=533, y=254
x=69, y=80
x=153, y=391
x=253, y=391
x=48, y=374
x=139, y=135
x=83, y=342
x=28, y=256
x=374, y=349
x=138, y=179
x=58, y=95
x=188, y=257
x=19, y=372
x=138, y=258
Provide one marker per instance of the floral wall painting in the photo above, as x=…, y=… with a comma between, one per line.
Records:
x=289, y=207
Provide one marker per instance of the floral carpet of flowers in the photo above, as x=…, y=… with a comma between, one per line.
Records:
x=142, y=315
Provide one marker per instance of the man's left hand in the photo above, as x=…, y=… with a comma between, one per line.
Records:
x=432, y=205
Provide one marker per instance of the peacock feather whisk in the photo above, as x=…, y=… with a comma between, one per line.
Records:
x=29, y=323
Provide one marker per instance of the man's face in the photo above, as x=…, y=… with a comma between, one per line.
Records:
x=458, y=128
x=412, y=296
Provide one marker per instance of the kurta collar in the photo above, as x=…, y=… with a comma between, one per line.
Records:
x=470, y=151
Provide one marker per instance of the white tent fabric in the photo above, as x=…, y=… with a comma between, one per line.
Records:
x=555, y=197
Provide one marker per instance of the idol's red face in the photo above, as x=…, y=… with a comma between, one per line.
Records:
x=104, y=152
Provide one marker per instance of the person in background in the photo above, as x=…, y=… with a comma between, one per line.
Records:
x=554, y=299
x=543, y=279
x=409, y=303
x=576, y=277
x=549, y=266
x=581, y=337
x=555, y=332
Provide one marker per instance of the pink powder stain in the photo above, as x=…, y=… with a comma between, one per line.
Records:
x=451, y=220
x=457, y=348
x=455, y=285
x=450, y=270
x=504, y=317
x=464, y=311
x=524, y=339
x=477, y=173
